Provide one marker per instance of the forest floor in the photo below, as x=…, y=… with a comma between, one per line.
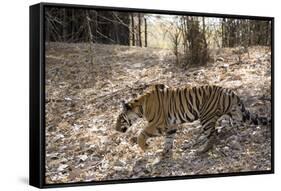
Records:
x=83, y=102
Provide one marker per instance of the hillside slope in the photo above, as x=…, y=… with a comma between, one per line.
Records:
x=83, y=101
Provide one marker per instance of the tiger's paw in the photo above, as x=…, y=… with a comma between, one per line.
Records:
x=142, y=142
x=143, y=147
x=166, y=155
x=204, y=150
x=201, y=152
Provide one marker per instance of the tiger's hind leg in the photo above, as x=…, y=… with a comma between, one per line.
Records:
x=209, y=142
x=208, y=129
x=169, y=143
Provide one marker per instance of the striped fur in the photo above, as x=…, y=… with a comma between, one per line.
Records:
x=164, y=108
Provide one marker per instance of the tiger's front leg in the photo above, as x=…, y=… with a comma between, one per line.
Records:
x=142, y=141
x=169, y=143
x=149, y=131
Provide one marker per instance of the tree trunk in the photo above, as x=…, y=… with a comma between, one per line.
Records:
x=72, y=25
x=223, y=32
x=140, y=42
x=145, y=32
x=133, y=30
x=64, y=25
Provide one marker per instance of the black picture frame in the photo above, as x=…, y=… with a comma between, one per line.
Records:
x=37, y=95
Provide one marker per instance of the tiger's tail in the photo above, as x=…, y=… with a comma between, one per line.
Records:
x=252, y=117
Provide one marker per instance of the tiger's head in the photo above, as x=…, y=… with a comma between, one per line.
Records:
x=126, y=118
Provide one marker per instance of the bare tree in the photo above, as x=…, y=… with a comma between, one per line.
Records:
x=194, y=41
x=139, y=29
x=175, y=34
x=145, y=32
x=133, y=29
x=91, y=48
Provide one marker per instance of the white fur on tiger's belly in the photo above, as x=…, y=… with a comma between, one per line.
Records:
x=174, y=121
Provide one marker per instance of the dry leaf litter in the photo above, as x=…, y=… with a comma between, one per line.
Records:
x=83, y=102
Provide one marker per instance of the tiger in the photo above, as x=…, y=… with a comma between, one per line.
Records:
x=165, y=108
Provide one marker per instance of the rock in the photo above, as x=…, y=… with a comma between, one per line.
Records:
x=234, y=144
x=62, y=167
x=219, y=59
x=120, y=163
x=118, y=168
x=83, y=157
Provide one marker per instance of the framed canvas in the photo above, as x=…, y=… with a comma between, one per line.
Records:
x=123, y=95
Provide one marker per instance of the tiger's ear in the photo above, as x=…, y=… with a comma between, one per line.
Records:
x=125, y=106
x=161, y=87
x=134, y=95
